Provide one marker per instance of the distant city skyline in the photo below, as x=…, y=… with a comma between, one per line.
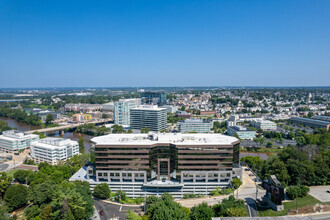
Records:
x=164, y=43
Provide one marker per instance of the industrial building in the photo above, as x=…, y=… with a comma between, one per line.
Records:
x=313, y=123
x=151, y=164
x=53, y=150
x=148, y=116
x=13, y=141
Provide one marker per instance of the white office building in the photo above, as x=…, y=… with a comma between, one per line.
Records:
x=264, y=124
x=122, y=110
x=194, y=125
x=148, y=116
x=13, y=141
x=53, y=150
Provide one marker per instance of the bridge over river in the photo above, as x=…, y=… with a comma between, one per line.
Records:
x=69, y=126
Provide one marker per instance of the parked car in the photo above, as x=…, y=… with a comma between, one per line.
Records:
x=328, y=191
x=101, y=212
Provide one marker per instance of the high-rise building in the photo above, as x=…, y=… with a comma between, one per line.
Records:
x=53, y=150
x=148, y=116
x=122, y=110
x=151, y=164
x=13, y=141
x=155, y=98
x=194, y=125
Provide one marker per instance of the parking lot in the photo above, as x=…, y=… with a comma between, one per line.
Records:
x=320, y=193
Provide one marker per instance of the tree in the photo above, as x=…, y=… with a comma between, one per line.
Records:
x=41, y=193
x=230, y=207
x=49, y=119
x=145, y=130
x=117, y=129
x=120, y=195
x=5, y=181
x=102, y=191
x=254, y=162
x=236, y=183
x=16, y=197
x=23, y=176
x=201, y=212
x=269, y=144
x=81, y=143
x=166, y=209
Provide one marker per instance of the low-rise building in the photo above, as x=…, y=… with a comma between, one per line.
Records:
x=242, y=132
x=81, y=117
x=53, y=150
x=194, y=125
x=264, y=125
x=13, y=141
x=310, y=122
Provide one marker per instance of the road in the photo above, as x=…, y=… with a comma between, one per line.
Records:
x=321, y=217
x=114, y=210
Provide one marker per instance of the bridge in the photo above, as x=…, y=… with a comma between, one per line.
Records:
x=69, y=126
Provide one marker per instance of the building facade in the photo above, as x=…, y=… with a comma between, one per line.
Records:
x=155, y=98
x=151, y=164
x=148, y=116
x=264, y=125
x=194, y=125
x=122, y=110
x=242, y=132
x=53, y=150
x=13, y=141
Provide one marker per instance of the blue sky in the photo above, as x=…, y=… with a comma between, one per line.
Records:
x=55, y=43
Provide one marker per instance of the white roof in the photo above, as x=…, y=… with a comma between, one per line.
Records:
x=53, y=143
x=149, y=107
x=154, y=138
x=13, y=135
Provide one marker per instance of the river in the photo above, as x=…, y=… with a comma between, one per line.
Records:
x=71, y=135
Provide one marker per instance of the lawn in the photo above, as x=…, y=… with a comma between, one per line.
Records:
x=302, y=202
x=11, y=172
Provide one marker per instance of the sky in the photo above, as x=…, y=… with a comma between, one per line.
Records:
x=66, y=43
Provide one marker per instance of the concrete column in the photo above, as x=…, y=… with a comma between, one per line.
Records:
x=206, y=177
x=194, y=178
x=120, y=177
x=109, y=179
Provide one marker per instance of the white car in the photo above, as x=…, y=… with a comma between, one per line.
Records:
x=328, y=191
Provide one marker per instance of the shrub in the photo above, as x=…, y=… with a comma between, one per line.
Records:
x=297, y=191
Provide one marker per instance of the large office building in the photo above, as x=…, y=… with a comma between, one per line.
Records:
x=155, y=98
x=122, y=110
x=313, y=123
x=264, y=125
x=242, y=132
x=53, y=150
x=194, y=125
x=13, y=141
x=151, y=164
x=148, y=116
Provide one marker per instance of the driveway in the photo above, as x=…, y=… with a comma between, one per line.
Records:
x=320, y=193
x=113, y=210
x=247, y=192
